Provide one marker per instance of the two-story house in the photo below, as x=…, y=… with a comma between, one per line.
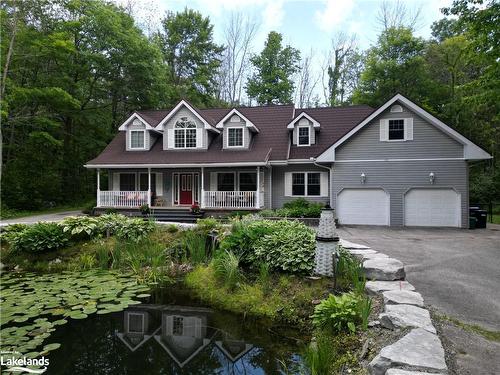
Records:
x=395, y=165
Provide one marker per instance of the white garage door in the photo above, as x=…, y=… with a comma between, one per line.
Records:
x=363, y=206
x=432, y=208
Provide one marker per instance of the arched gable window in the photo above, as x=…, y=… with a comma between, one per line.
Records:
x=185, y=133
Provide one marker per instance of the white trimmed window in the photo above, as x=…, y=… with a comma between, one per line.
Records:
x=137, y=139
x=185, y=133
x=234, y=137
x=306, y=184
x=303, y=135
x=396, y=130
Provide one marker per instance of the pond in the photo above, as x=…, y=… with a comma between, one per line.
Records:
x=172, y=333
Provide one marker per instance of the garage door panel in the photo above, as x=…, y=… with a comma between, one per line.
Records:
x=363, y=206
x=432, y=207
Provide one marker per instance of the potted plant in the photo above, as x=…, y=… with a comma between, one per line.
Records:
x=195, y=208
x=145, y=210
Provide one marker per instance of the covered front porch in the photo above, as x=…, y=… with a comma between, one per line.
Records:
x=221, y=188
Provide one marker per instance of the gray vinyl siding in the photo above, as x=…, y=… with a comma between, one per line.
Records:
x=396, y=178
x=428, y=142
x=183, y=112
x=246, y=134
x=148, y=141
x=278, y=183
x=312, y=133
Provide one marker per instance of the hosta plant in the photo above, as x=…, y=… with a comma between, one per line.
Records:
x=338, y=313
x=78, y=226
x=40, y=237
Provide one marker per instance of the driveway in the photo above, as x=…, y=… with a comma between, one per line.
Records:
x=56, y=216
x=458, y=274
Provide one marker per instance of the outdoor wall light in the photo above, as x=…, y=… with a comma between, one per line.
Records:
x=363, y=178
x=432, y=176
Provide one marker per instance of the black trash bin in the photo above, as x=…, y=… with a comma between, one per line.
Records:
x=482, y=218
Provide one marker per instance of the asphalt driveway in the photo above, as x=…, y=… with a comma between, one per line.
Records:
x=52, y=217
x=458, y=274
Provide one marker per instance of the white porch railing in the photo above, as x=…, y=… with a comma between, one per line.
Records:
x=230, y=199
x=132, y=199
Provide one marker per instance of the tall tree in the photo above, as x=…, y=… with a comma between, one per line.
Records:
x=238, y=34
x=272, y=81
x=395, y=64
x=191, y=54
x=307, y=81
x=77, y=69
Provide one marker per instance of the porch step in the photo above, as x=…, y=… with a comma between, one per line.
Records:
x=176, y=215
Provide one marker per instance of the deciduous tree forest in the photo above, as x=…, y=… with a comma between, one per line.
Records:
x=73, y=70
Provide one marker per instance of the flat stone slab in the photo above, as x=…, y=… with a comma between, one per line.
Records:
x=351, y=245
x=402, y=297
x=419, y=350
x=403, y=316
x=386, y=269
x=377, y=287
x=362, y=252
x=397, y=371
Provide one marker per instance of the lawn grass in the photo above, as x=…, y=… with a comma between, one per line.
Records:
x=8, y=213
x=487, y=334
x=496, y=218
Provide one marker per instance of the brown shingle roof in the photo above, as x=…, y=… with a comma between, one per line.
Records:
x=271, y=143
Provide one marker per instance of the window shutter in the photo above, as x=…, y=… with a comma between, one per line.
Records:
x=288, y=184
x=384, y=130
x=159, y=184
x=170, y=139
x=409, y=129
x=116, y=181
x=199, y=138
x=213, y=181
x=324, y=184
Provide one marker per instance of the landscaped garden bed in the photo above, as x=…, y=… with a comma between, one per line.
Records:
x=252, y=267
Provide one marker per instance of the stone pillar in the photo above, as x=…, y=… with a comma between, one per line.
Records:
x=326, y=244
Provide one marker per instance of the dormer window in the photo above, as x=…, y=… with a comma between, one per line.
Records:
x=185, y=133
x=303, y=135
x=235, y=137
x=137, y=139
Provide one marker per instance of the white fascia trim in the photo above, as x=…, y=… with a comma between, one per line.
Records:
x=123, y=126
x=234, y=111
x=128, y=166
x=303, y=114
x=291, y=161
x=381, y=160
x=471, y=151
x=206, y=125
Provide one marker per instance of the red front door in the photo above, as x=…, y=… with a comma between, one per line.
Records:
x=186, y=189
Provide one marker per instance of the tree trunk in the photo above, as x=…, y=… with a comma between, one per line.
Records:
x=9, y=53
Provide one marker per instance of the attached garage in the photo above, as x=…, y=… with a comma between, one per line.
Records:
x=363, y=206
x=432, y=208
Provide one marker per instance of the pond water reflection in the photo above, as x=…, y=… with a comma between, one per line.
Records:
x=172, y=334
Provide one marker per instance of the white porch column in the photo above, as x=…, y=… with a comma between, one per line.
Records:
x=202, y=179
x=149, y=187
x=257, y=198
x=98, y=200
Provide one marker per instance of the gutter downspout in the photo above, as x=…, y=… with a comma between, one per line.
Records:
x=330, y=177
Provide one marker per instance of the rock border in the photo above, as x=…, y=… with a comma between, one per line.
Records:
x=418, y=352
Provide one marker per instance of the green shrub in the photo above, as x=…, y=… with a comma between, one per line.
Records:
x=81, y=226
x=239, y=214
x=9, y=232
x=109, y=223
x=39, y=237
x=89, y=208
x=226, y=266
x=287, y=246
x=243, y=237
x=338, y=313
x=135, y=229
x=301, y=208
x=208, y=225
